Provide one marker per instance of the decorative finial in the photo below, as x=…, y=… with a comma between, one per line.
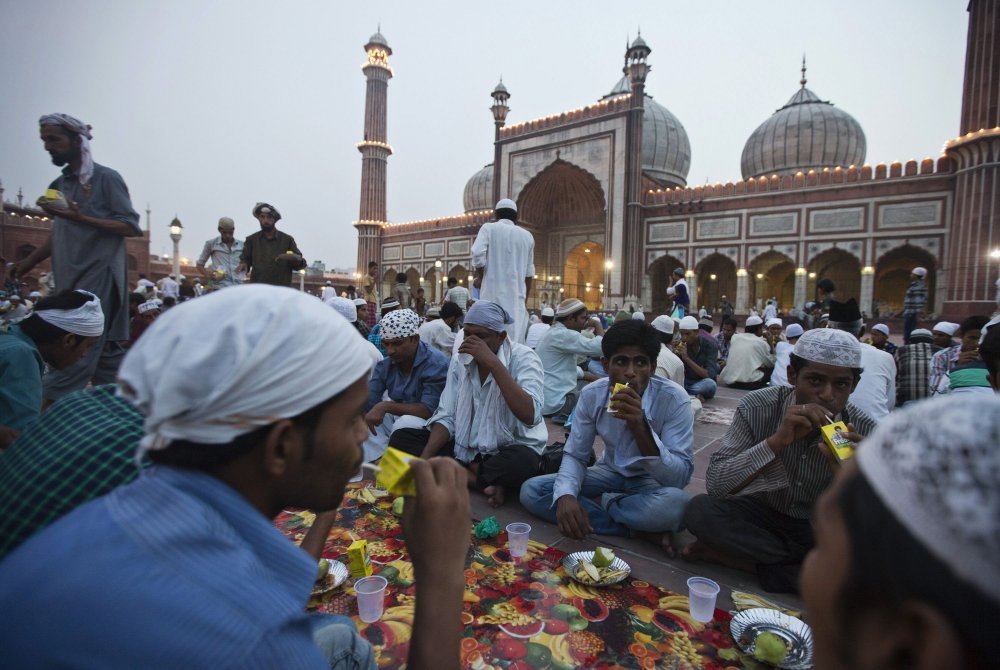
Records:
x=803, y=80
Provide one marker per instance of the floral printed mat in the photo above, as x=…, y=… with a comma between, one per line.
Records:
x=521, y=614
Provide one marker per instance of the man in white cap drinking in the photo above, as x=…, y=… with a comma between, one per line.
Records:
x=700, y=356
x=914, y=302
x=503, y=256
x=537, y=330
x=764, y=481
x=783, y=353
x=751, y=357
x=880, y=339
x=184, y=567
x=558, y=351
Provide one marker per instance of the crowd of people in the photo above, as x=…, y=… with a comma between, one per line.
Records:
x=140, y=475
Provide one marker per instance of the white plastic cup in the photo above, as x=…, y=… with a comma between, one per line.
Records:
x=517, y=539
x=702, y=593
x=371, y=597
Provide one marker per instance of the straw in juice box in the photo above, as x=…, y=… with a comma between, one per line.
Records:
x=357, y=554
x=616, y=389
x=833, y=436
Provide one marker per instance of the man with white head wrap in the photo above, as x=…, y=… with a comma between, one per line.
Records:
x=490, y=414
x=406, y=386
x=87, y=246
x=908, y=544
x=764, y=481
x=60, y=331
x=347, y=309
x=263, y=415
x=503, y=256
x=558, y=351
x=751, y=357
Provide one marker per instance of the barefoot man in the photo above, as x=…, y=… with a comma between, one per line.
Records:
x=490, y=414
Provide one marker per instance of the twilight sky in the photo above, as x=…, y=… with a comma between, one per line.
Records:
x=207, y=107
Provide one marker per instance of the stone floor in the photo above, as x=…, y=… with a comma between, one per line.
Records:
x=646, y=560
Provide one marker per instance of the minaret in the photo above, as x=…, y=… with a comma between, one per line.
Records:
x=374, y=151
x=500, y=110
x=630, y=262
x=971, y=270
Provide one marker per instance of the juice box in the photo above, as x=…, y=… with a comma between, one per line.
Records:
x=394, y=473
x=616, y=389
x=361, y=565
x=833, y=435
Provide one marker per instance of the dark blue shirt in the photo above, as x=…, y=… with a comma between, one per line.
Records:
x=424, y=384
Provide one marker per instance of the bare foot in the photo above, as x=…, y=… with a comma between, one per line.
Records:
x=665, y=541
x=699, y=552
x=494, y=495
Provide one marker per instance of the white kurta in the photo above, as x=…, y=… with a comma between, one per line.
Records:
x=876, y=392
x=506, y=252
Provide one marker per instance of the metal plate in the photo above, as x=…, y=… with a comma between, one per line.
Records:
x=748, y=624
x=336, y=575
x=571, y=562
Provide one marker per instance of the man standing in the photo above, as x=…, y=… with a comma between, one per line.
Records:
x=726, y=308
x=369, y=291
x=503, y=256
x=764, y=481
x=270, y=255
x=169, y=288
x=558, y=351
x=457, y=294
x=914, y=302
x=87, y=247
x=680, y=295
x=701, y=360
x=913, y=361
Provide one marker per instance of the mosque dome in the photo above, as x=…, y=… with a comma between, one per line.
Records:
x=378, y=39
x=806, y=134
x=479, y=191
x=666, y=150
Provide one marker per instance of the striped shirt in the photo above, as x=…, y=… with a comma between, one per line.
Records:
x=81, y=448
x=912, y=366
x=790, y=482
x=915, y=298
x=942, y=363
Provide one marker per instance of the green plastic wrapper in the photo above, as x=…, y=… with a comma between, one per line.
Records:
x=487, y=528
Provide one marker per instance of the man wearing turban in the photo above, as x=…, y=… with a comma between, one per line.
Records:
x=91, y=221
x=490, y=414
x=270, y=255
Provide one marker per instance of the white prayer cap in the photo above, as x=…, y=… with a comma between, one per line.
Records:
x=689, y=323
x=829, y=346
x=946, y=327
x=35, y=294
x=941, y=480
x=87, y=320
x=145, y=283
x=346, y=308
x=548, y=311
x=639, y=316
x=569, y=306
x=433, y=310
x=882, y=328
x=754, y=321
x=271, y=353
x=399, y=324
x=773, y=321
x=664, y=324
x=506, y=203
x=920, y=332
x=671, y=290
x=920, y=272
x=360, y=302
x=489, y=315
x=793, y=330
x=148, y=306
x=391, y=303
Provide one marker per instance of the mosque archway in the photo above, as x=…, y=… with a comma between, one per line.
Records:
x=583, y=274
x=716, y=278
x=892, y=277
x=840, y=267
x=431, y=281
x=388, y=282
x=659, y=272
x=413, y=280
x=772, y=275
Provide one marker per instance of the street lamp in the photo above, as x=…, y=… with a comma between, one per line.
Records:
x=438, y=282
x=302, y=279
x=175, y=235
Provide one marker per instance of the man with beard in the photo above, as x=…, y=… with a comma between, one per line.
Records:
x=87, y=246
x=270, y=255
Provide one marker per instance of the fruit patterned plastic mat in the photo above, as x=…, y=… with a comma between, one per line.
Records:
x=521, y=614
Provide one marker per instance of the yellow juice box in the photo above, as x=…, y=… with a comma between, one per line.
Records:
x=833, y=435
x=616, y=389
x=361, y=565
x=395, y=475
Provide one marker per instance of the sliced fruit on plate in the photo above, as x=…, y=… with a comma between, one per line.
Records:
x=523, y=630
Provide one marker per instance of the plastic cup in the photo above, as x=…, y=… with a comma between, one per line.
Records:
x=371, y=597
x=702, y=593
x=517, y=539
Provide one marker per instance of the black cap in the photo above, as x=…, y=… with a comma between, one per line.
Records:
x=450, y=309
x=845, y=312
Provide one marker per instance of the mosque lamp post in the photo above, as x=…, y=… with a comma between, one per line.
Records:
x=175, y=235
x=438, y=282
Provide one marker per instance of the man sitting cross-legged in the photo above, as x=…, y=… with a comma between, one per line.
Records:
x=635, y=488
x=764, y=481
x=490, y=414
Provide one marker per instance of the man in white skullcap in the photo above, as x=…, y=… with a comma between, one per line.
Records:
x=942, y=335
x=764, y=481
x=783, y=353
x=908, y=544
x=490, y=414
x=880, y=339
x=668, y=365
x=224, y=252
x=347, y=309
x=503, y=256
x=963, y=352
x=914, y=301
x=406, y=386
x=537, y=330
x=751, y=357
x=558, y=351
x=60, y=331
x=774, y=327
x=264, y=413
x=90, y=224
x=700, y=356
x=875, y=392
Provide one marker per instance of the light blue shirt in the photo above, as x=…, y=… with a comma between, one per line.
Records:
x=176, y=570
x=558, y=351
x=424, y=384
x=223, y=257
x=526, y=369
x=667, y=408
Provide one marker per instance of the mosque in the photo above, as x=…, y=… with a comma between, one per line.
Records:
x=603, y=189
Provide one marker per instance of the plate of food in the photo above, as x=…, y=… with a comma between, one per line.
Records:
x=329, y=575
x=773, y=637
x=368, y=495
x=596, y=568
